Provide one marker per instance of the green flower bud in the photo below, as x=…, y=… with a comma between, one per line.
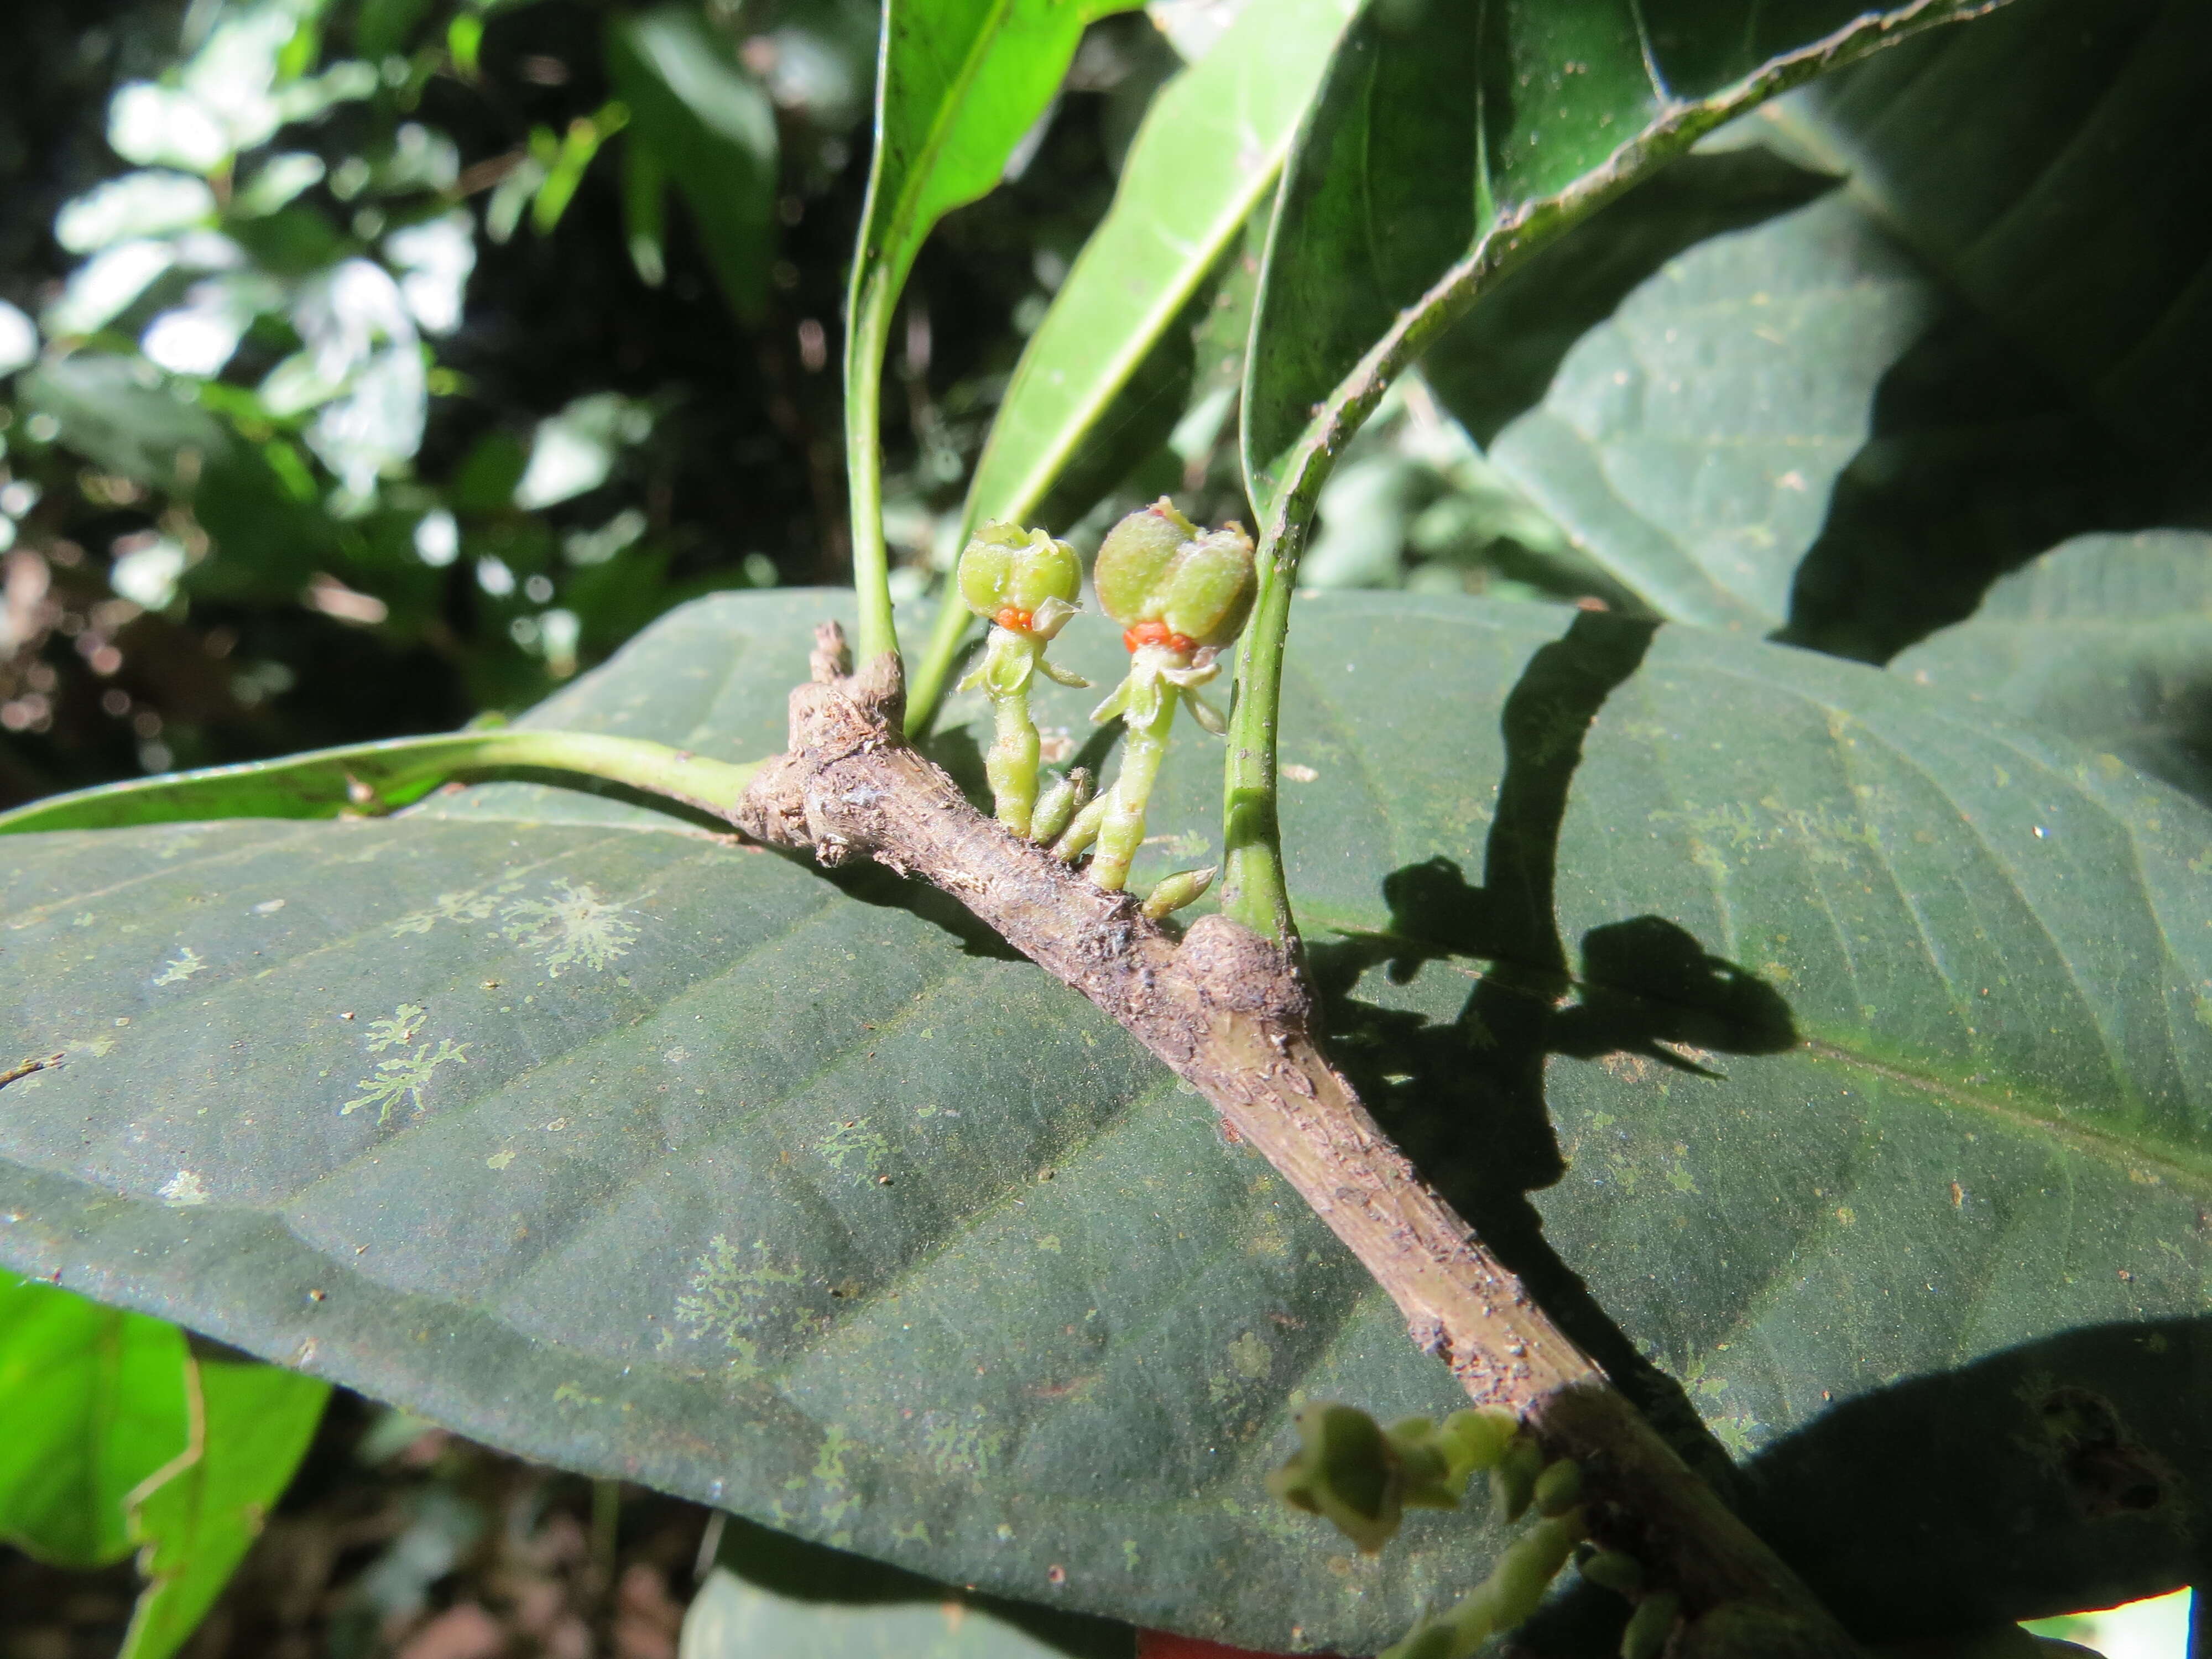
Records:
x=1649, y=1627
x=1345, y=1471
x=1513, y=1478
x=1185, y=887
x=1007, y=569
x=1157, y=571
x=1613, y=1570
x=1559, y=1488
x=1060, y=804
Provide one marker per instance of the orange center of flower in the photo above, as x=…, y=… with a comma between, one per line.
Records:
x=1014, y=619
x=1157, y=633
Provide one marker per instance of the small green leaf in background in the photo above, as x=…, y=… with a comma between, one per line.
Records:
x=1207, y=154
x=195, y=1520
x=709, y=127
x=2107, y=638
x=117, y=1435
x=92, y=1401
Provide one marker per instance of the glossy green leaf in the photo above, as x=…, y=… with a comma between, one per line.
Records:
x=710, y=128
x=93, y=1401
x=1399, y=171
x=2107, y=638
x=1208, y=154
x=958, y=84
x=196, y=1520
x=661, y=1158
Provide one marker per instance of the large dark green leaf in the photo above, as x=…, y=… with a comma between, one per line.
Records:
x=2107, y=638
x=615, y=1144
x=1399, y=171
x=2007, y=368
x=707, y=124
x=1688, y=445
x=2051, y=165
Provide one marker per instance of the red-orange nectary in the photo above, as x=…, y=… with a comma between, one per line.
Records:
x=1157, y=633
x=1013, y=617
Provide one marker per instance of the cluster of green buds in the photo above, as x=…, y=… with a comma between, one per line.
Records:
x=1181, y=594
x=1025, y=583
x=1363, y=1477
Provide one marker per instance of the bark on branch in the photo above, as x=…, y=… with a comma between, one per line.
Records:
x=1226, y=1011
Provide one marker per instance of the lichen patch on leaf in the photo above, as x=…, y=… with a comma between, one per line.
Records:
x=181, y=967
x=732, y=1298
x=182, y=1190
x=573, y=926
x=399, y=1031
x=405, y=1077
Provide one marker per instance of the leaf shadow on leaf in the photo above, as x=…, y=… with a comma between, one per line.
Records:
x=1979, y=460
x=1466, y=1099
x=793, y=1567
x=1499, y=361
x=2062, y=1473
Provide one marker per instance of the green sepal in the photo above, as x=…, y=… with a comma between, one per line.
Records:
x=1345, y=1471
x=1513, y=1478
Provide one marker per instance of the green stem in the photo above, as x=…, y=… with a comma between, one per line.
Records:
x=946, y=636
x=1012, y=764
x=871, y=307
x=1253, y=889
x=375, y=777
x=1122, y=828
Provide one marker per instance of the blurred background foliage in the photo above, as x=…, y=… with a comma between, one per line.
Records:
x=374, y=364
x=368, y=364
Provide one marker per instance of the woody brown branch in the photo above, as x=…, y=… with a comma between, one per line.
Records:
x=1226, y=1011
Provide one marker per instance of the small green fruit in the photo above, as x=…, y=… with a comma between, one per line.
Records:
x=1135, y=558
x=1156, y=570
x=1007, y=572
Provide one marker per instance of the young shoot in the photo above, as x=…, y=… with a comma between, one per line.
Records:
x=1180, y=594
x=1025, y=583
